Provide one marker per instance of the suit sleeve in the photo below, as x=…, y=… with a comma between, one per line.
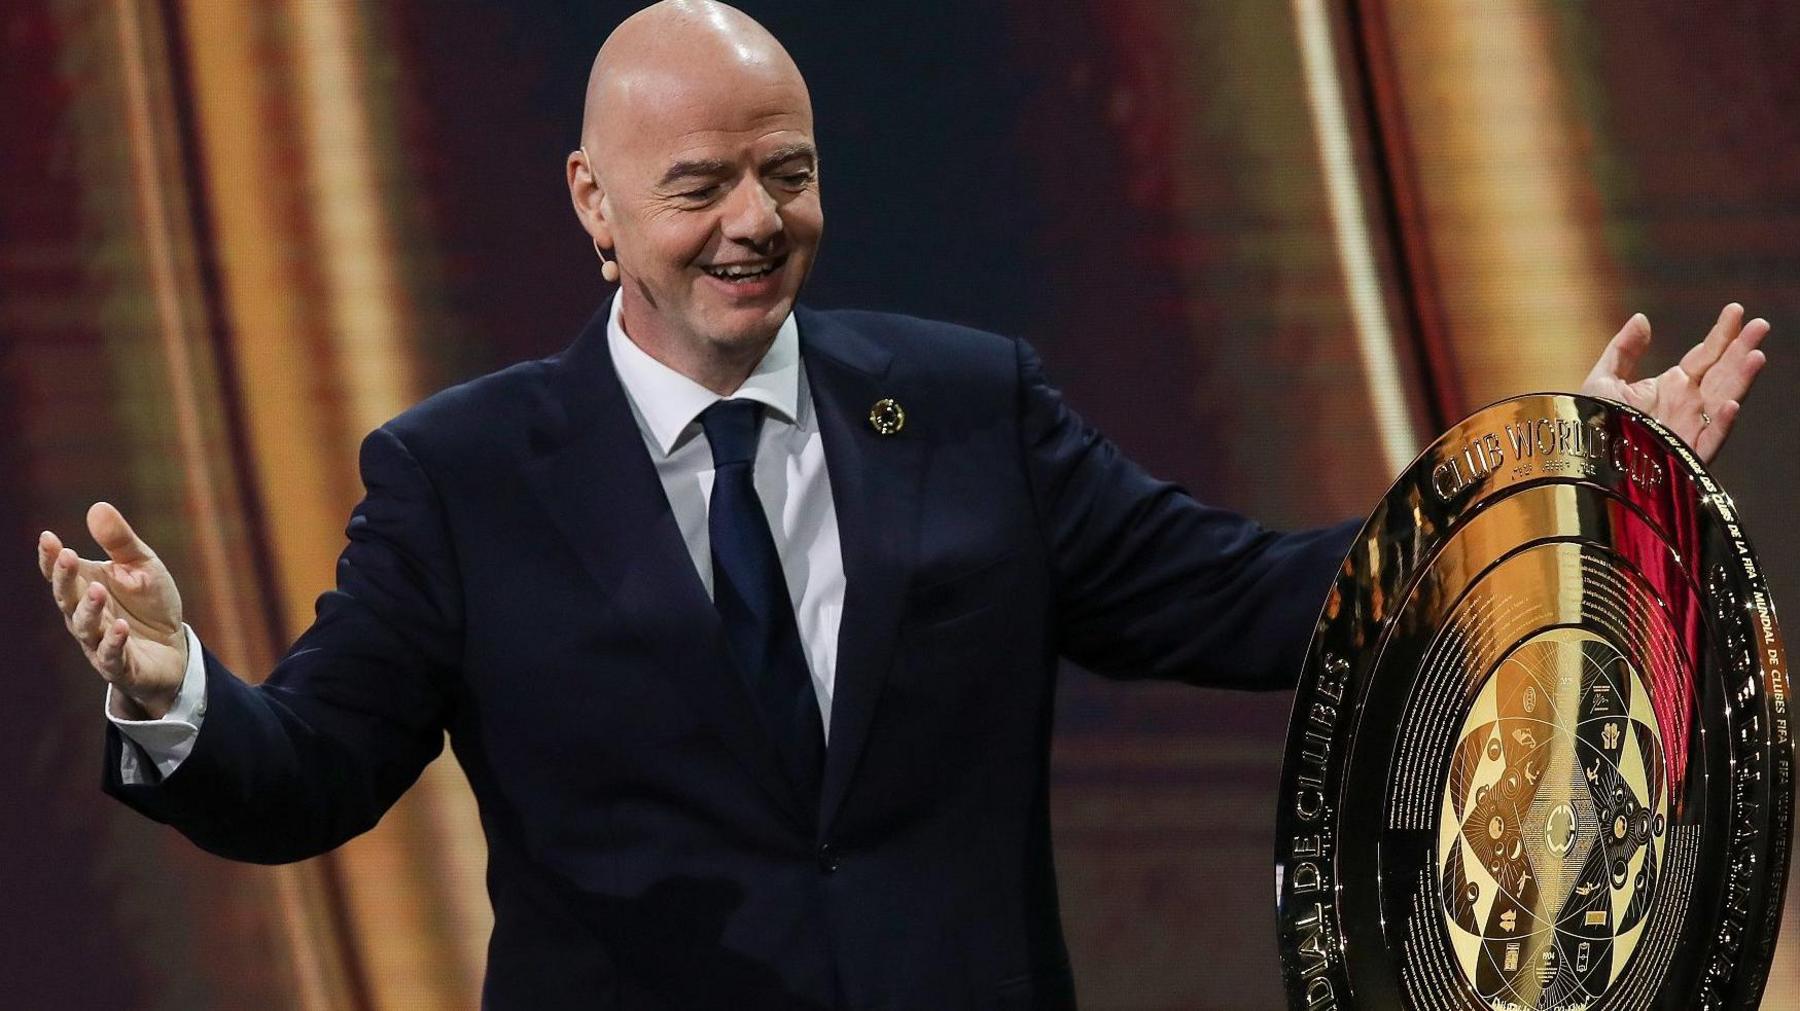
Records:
x=1153, y=584
x=314, y=755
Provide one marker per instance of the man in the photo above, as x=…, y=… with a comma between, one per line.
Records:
x=742, y=618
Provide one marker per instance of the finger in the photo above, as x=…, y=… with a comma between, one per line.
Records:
x=65, y=582
x=1624, y=351
x=109, y=528
x=1712, y=437
x=1701, y=356
x=109, y=658
x=1731, y=366
x=1731, y=379
x=86, y=622
x=48, y=547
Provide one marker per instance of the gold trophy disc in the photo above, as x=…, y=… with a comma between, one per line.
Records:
x=1541, y=756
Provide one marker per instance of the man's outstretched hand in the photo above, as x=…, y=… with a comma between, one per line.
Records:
x=125, y=612
x=1698, y=398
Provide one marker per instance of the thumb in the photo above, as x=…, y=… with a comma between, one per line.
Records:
x=110, y=530
x=1624, y=351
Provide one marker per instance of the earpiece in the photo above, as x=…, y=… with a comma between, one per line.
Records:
x=609, y=269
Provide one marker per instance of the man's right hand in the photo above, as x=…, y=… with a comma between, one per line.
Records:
x=125, y=612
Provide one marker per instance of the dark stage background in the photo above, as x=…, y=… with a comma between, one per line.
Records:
x=1271, y=247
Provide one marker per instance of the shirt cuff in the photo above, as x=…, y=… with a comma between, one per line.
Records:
x=166, y=741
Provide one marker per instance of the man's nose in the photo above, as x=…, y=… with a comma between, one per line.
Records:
x=751, y=215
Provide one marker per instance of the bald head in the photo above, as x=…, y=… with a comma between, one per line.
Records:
x=675, y=51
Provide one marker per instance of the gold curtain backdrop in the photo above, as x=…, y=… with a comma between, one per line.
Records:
x=1271, y=246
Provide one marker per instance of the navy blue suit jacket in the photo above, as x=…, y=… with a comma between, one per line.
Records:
x=514, y=576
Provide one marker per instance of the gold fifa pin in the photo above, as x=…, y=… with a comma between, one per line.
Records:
x=887, y=417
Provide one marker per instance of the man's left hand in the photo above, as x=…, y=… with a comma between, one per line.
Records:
x=1699, y=397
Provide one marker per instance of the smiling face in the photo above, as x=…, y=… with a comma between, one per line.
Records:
x=705, y=183
x=715, y=210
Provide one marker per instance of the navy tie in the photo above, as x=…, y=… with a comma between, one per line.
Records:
x=752, y=597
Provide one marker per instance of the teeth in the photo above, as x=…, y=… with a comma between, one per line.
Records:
x=738, y=273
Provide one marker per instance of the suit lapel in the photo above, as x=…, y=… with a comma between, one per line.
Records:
x=875, y=482
x=593, y=473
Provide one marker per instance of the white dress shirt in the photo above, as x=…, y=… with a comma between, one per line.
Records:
x=790, y=479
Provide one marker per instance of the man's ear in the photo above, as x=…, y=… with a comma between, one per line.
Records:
x=588, y=197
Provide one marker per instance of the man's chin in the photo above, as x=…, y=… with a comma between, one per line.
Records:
x=743, y=325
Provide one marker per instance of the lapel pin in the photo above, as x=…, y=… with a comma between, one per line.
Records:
x=887, y=417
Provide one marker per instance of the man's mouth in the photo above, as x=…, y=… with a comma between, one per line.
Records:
x=745, y=273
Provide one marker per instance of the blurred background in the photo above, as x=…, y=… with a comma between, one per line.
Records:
x=1271, y=246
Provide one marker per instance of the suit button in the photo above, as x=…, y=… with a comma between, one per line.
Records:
x=828, y=858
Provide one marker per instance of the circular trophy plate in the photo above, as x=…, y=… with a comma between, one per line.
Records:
x=1540, y=757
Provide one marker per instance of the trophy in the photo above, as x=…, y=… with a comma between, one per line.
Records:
x=1541, y=755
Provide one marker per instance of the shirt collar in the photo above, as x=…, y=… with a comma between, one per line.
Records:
x=667, y=402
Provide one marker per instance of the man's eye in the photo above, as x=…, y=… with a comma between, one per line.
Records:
x=796, y=178
x=702, y=194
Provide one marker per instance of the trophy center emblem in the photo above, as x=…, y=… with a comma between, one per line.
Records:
x=1550, y=844
x=1559, y=830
